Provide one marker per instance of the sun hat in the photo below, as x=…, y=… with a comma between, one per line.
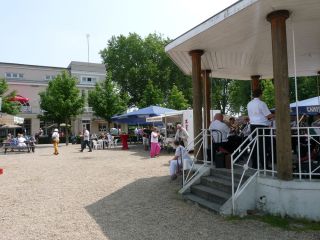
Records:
x=56, y=130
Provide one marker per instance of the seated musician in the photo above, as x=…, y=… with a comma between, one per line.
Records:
x=227, y=141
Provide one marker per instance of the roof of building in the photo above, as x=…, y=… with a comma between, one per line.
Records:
x=237, y=41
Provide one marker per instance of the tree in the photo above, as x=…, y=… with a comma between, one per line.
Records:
x=220, y=94
x=239, y=96
x=8, y=106
x=133, y=61
x=106, y=100
x=150, y=96
x=176, y=99
x=307, y=87
x=268, y=93
x=62, y=101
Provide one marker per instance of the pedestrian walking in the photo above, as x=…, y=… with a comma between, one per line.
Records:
x=55, y=141
x=86, y=140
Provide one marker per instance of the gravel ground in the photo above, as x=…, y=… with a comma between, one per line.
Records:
x=107, y=194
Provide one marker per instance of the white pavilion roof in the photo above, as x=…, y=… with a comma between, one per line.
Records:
x=237, y=41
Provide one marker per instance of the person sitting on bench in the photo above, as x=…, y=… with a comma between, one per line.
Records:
x=21, y=140
x=176, y=164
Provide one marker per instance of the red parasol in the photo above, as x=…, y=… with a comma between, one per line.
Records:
x=18, y=98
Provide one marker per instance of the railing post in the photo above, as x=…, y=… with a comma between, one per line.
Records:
x=309, y=153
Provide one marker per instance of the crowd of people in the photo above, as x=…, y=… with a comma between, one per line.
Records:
x=228, y=131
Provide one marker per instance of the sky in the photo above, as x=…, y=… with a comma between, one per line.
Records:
x=54, y=32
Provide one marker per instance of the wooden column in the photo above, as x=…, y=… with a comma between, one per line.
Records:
x=281, y=82
x=255, y=84
x=197, y=95
x=206, y=98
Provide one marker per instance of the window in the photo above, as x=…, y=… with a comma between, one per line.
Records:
x=88, y=80
x=50, y=77
x=103, y=127
x=27, y=126
x=14, y=75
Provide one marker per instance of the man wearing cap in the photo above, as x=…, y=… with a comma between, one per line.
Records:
x=55, y=141
x=182, y=135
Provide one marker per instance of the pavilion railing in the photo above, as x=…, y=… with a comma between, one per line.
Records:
x=305, y=156
x=200, y=158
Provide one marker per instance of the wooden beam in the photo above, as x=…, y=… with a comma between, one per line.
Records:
x=281, y=82
x=197, y=95
x=255, y=84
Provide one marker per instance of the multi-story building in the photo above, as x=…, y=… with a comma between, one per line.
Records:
x=29, y=80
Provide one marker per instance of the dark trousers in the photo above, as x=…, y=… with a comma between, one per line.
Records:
x=266, y=143
x=84, y=144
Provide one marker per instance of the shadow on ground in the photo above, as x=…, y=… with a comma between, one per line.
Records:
x=148, y=209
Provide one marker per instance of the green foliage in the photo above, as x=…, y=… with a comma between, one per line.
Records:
x=176, y=99
x=239, y=96
x=220, y=94
x=150, y=96
x=7, y=105
x=307, y=87
x=133, y=61
x=268, y=93
x=106, y=99
x=61, y=101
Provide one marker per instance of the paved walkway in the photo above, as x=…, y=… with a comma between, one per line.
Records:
x=107, y=194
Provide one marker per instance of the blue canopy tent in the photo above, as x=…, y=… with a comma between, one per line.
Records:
x=310, y=106
x=139, y=116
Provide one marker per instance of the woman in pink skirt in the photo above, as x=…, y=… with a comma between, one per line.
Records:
x=155, y=147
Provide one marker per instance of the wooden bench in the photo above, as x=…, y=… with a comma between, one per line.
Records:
x=30, y=146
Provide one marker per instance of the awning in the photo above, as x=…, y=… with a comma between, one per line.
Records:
x=7, y=119
x=237, y=41
x=20, y=99
x=139, y=116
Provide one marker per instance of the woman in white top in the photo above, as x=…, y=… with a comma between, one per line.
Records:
x=21, y=141
x=155, y=147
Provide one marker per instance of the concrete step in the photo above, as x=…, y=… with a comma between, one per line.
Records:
x=203, y=202
x=218, y=183
x=226, y=173
x=210, y=194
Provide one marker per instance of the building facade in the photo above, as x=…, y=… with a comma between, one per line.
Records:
x=29, y=80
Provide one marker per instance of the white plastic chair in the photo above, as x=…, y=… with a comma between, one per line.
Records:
x=97, y=145
x=113, y=142
x=100, y=144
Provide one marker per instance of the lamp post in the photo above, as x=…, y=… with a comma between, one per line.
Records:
x=88, y=36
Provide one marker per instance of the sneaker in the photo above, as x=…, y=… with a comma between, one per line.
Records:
x=81, y=150
x=90, y=151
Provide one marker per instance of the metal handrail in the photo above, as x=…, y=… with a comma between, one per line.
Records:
x=252, y=141
x=197, y=141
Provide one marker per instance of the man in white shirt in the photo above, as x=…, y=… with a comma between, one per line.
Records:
x=86, y=140
x=182, y=135
x=259, y=115
x=221, y=134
